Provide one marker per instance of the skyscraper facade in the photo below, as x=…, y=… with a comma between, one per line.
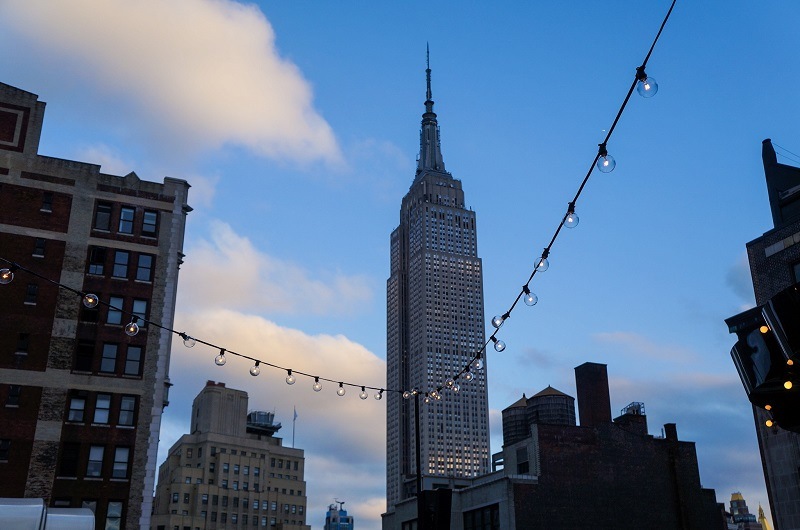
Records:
x=80, y=400
x=435, y=324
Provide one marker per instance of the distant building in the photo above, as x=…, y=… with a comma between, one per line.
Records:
x=742, y=518
x=337, y=518
x=775, y=268
x=434, y=324
x=231, y=471
x=80, y=400
x=561, y=476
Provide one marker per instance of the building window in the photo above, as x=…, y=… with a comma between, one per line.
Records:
x=38, y=247
x=114, y=515
x=234, y=518
x=23, y=342
x=127, y=409
x=235, y=469
x=256, y=471
x=212, y=467
x=31, y=293
x=224, y=485
x=5, y=448
x=150, y=223
x=121, y=455
x=76, y=407
x=120, y=269
x=185, y=498
x=144, y=269
x=97, y=260
x=223, y=517
x=245, y=486
x=236, y=485
x=12, y=400
x=225, y=467
x=133, y=361
x=108, y=364
x=204, y=498
x=102, y=216
x=140, y=310
x=47, y=201
x=174, y=497
x=94, y=467
x=114, y=310
x=68, y=465
x=213, y=517
x=126, y=220
x=486, y=518
x=102, y=407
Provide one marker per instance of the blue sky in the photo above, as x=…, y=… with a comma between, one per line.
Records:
x=297, y=125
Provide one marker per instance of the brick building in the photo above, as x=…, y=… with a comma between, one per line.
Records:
x=604, y=474
x=230, y=471
x=80, y=400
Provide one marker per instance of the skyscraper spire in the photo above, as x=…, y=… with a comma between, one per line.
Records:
x=430, y=149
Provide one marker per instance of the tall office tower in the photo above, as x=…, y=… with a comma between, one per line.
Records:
x=337, y=518
x=80, y=400
x=231, y=471
x=775, y=266
x=435, y=324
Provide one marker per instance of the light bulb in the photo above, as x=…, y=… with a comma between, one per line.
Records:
x=449, y=383
x=255, y=369
x=606, y=163
x=317, y=386
x=132, y=328
x=497, y=321
x=764, y=329
x=341, y=391
x=434, y=394
x=571, y=221
x=788, y=385
x=647, y=87
x=415, y=391
x=499, y=345
x=469, y=376
x=789, y=362
x=767, y=407
x=427, y=399
x=220, y=359
x=379, y=395
x=6, y=276
x=543, y=265
x=363, y=394
x=188, y=341
x=290, y=379
x=477, y=364
x=456, y=388
x=406, y=394
x=529, y=297
x=90, y=300
x=769, y=423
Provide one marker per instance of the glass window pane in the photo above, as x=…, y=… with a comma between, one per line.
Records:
x=115, y=311
x=101, y=408
x=126, y=220
x=108, y=363
x=144, y=271
x=102, y=216
x=126, y=410
x=133, y=361
x=95, y=466
x=120, y=264
x=149, y=223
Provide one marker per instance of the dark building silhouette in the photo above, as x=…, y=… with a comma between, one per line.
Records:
x=563, y=476
x=741, y=516
x=775, y=269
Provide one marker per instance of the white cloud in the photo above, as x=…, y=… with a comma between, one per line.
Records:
x=107, y=158
x=201, y=73
x=202, y=191
x=228, y=271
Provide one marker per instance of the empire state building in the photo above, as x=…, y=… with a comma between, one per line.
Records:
x=435, y=324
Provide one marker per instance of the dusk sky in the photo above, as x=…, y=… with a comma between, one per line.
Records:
x=297, y=125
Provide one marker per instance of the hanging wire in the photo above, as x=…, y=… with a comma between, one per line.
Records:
x=475, y=363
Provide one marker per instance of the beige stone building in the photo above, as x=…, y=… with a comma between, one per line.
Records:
x=230, y=472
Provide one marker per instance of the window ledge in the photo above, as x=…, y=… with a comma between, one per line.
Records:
x=106, y=425
x=21, y=353
x=66, y=478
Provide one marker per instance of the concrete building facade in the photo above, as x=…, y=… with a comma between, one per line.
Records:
x=435, y=324
x=230, y=472
x=81, y=401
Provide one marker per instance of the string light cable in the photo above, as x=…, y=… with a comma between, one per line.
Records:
x=603, y=162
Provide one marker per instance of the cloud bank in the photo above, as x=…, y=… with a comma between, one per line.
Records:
x=194, y=74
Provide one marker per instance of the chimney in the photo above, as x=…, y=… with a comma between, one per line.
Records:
x=594, y=403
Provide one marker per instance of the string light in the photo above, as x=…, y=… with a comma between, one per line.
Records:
x=90, y=301
x=255, y=369
x=477, y=364
x=497, y=321
x=220, y=359
x=603, y=162
x=7, y=275
x=290, y=379
x=132, y=328
x=363, y=394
